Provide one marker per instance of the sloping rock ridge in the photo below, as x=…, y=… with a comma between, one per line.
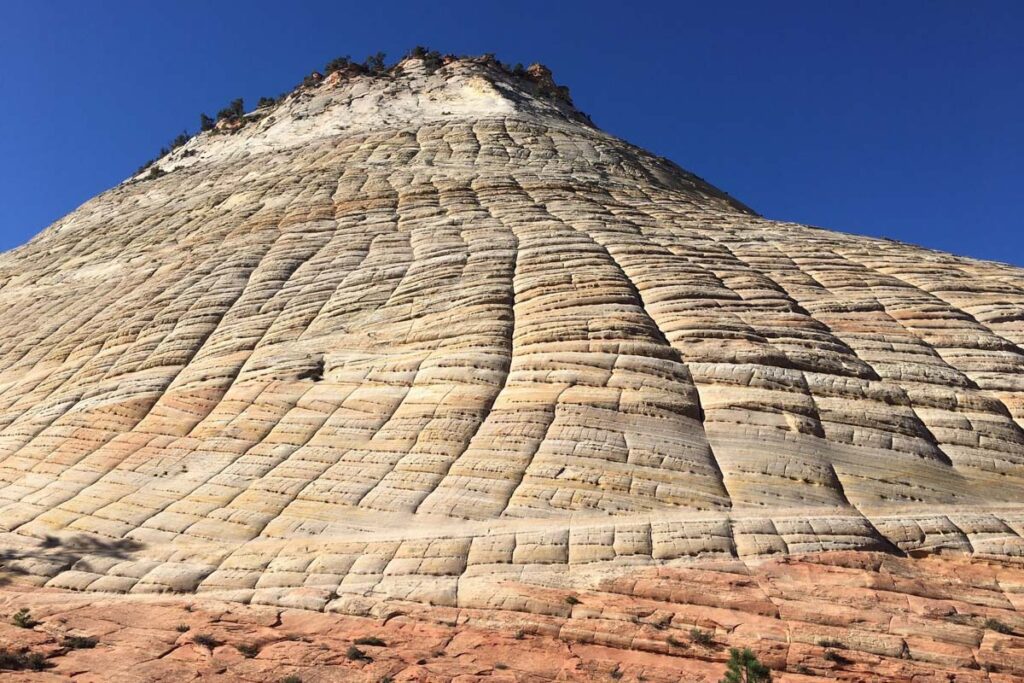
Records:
x=430, y=337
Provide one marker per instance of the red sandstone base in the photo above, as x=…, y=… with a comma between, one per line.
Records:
x=842, y=616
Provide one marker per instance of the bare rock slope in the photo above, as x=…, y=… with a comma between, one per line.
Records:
x=854, y=616
x=430, y=336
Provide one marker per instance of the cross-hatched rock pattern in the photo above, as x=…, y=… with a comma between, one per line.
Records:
x=421, y=335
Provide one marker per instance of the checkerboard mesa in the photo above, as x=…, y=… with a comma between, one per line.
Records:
x=424, y=334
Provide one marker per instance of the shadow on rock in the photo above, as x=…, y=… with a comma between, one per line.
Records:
x=54, y=554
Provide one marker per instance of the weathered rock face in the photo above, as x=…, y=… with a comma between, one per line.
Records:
x=850, y=616
x=423, y=336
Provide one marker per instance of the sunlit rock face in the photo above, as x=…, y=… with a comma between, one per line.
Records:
x=429, y=335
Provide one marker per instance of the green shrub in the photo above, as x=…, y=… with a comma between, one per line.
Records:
x=180, y=139
x=205, y=122
x=233, y=111
x=355, y=654
x=372, y=641
x=11, y=660
x=337, y=64
x=205, y=640
x=997, y=626
x=701, y=637
x=79, y=642
x=434, y=64
x=248, y=650
x=432, y=60
x=22, y=619
x=743, y=667
x=182, y=628
x=375, y=63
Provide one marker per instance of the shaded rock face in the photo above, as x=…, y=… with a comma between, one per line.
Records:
x=413, y=338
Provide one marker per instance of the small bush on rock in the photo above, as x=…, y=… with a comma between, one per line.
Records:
x=11, y=660
x=248, y=650
x=997, y=626
x=356, y=655
x=701, y=637
x=22, y=619
x=743, y=667
x=233, y=111
x=180, y=139
x=375, y=63
x=80, y=642
x=206, y=640
x=372, y=641
x=337, y=64
x=432, y=60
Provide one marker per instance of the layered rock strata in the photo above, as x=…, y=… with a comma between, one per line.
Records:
x=852, y=616
x=430, y=336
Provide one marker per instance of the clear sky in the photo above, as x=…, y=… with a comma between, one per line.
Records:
x=899, y=119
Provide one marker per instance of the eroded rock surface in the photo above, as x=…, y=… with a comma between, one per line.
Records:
x=849, y=616
x=427, y=336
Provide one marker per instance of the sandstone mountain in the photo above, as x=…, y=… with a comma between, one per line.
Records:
x=429, y=337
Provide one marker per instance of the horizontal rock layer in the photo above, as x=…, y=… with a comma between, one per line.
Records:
x=850, y=616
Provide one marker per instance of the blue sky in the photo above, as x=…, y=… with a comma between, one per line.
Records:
x=899, y=119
